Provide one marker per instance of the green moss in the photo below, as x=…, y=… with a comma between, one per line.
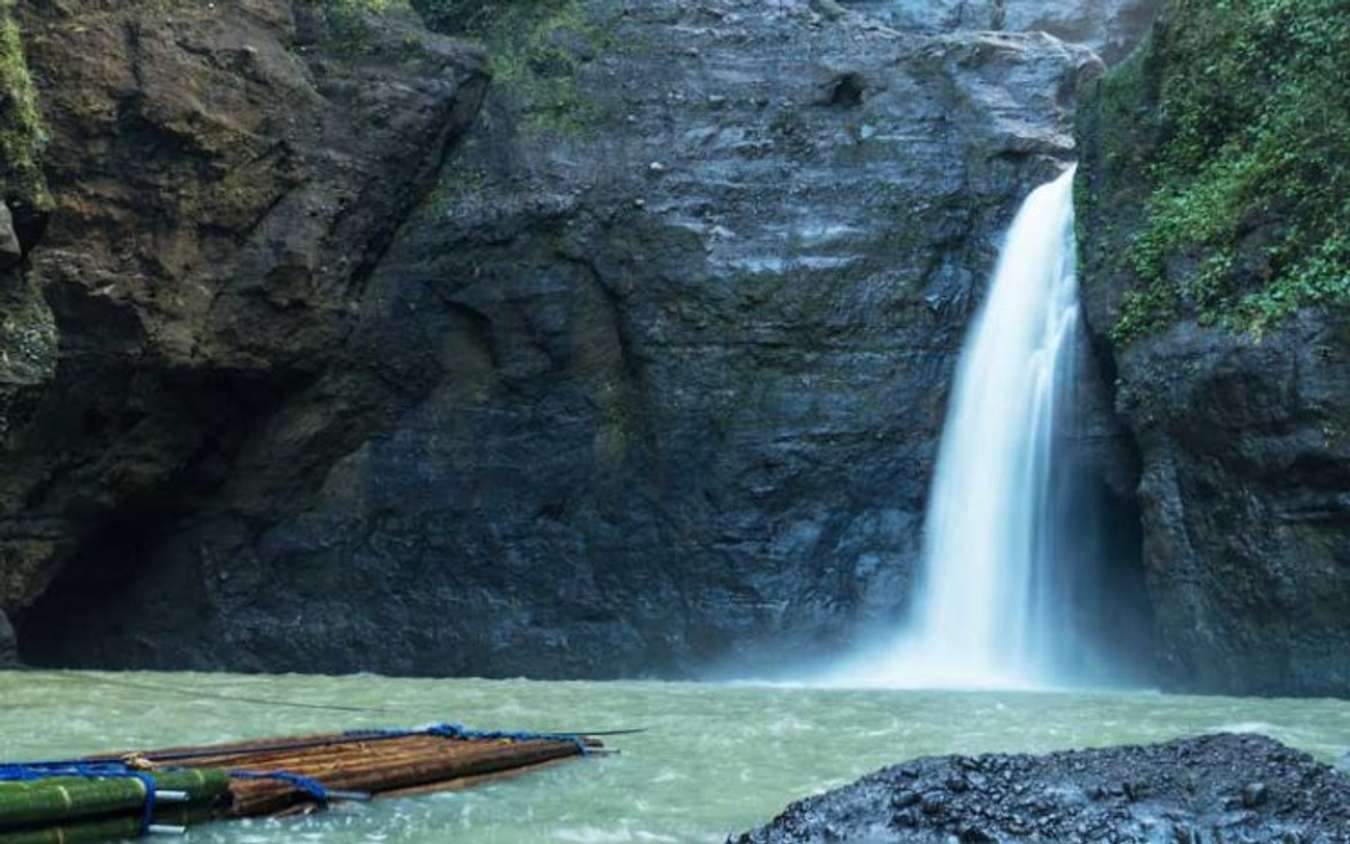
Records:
x=1247, y=193
x=22, y=136
x=536, y=48
x=349, y=30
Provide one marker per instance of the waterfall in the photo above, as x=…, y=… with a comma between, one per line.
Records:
x=995, y=600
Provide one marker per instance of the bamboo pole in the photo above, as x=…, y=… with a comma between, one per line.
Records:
x=370, y=763
x=394, y=772
x=463, y=783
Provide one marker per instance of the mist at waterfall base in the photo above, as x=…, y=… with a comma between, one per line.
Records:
x=1016, y=580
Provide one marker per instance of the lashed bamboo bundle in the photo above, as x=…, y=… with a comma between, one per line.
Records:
x=123, y=795
x=94, y=806
x=26, y=803
x=107, y=828
x=98, y=829
x=359, y=764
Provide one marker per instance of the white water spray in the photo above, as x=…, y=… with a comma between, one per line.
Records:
x=994, y=605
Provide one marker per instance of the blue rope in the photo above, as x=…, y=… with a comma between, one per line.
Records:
x=313, y=787
x=34, y=771
x=459, y=732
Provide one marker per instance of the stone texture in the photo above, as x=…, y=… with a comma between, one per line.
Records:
x=1243, y=442
x=1215, y=788
x=224, y=178
x=11, y=251
x=1109, y=27
x=652, y=382
x=9, y=651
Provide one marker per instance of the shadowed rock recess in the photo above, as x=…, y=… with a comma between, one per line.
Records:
x=651, y=380
x=1216, y=788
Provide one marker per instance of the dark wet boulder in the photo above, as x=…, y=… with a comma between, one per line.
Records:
x=1216, y=788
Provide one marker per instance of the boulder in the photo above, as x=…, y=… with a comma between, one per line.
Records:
x=1214, y=788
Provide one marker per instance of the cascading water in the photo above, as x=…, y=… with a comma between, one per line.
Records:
x=995, y=604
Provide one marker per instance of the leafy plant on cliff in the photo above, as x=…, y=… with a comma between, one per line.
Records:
x=536, y=48
x=21, y=133
x=1249, y=215
x=349, y=29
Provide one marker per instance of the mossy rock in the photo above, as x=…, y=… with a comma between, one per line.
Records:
x=1230, y=131
x=537, y=49
x=22, y=136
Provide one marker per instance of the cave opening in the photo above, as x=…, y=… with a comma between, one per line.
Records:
x=72, y=624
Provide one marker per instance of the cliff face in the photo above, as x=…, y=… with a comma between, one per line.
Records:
x=223, y=178
x=1111, y=28
x=652, y=379
x=648, y=376
x=1216, y=272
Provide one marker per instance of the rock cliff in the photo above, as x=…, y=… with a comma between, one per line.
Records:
x=1216, y=273
x=1109, y=27
x=650, y=380
x=221, y=180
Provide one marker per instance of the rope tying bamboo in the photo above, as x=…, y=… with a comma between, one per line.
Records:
x=311, y=786
x=32, y=771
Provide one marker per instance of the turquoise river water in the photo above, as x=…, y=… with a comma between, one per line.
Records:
x=716, y=759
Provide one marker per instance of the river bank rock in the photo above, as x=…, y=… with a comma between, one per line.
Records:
x=1215, y=788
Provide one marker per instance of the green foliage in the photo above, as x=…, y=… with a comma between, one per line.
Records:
x=536, y=49
x=1249, y=211
x=348, y=30
x=22, y=136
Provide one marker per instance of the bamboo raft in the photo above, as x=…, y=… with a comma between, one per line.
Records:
x=134, y=793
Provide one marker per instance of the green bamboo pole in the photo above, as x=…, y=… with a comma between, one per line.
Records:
x=54, y=801
x=103, y=829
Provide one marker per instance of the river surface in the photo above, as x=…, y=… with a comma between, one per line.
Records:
x=715, y=759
